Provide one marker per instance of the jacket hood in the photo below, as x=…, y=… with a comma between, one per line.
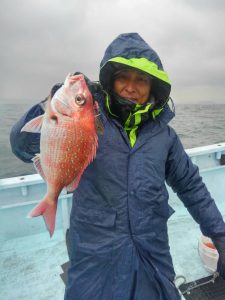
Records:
x=129, y=50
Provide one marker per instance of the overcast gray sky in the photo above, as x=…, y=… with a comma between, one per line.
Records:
x=43, y=40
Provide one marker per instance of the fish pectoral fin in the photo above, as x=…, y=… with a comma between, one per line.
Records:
x=37, y=164
x=34, y=125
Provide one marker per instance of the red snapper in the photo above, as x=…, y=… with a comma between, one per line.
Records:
x=68, y=143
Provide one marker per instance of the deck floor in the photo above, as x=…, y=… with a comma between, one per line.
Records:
x=184, y=234
x=30, y=267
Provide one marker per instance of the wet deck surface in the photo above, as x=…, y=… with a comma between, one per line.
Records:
x=183, y=235
x=30, y=267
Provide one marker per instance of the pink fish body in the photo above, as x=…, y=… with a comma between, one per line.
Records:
x=67, y=145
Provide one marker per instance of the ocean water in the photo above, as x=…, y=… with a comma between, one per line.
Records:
x=197, y=125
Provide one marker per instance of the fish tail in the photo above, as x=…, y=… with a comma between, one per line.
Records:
x=47, y=209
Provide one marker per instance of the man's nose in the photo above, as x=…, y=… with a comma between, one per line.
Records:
x=130, y=86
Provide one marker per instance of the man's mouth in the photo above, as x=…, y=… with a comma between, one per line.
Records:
x=133, y=99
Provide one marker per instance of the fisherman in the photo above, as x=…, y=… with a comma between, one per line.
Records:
x=118, y=227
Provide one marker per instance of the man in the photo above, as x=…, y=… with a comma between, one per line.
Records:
x=118, y=230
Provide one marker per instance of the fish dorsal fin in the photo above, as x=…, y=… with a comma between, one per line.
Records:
x=37, y=164
x=34, y=125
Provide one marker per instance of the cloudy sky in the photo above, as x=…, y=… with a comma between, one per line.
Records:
x=43, y=40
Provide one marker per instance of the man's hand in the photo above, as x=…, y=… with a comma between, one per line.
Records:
x=219, y=243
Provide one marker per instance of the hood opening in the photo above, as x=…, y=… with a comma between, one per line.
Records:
x=130, y=50
x=160, y=89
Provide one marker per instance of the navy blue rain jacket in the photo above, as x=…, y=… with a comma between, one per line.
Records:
x=118, y=228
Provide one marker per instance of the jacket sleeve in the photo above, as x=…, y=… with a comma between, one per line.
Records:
x=26, y=144
x=183, y=176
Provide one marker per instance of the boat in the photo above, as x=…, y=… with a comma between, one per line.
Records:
x=31, y=262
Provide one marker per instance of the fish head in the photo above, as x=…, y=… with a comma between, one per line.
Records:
x=73, y=98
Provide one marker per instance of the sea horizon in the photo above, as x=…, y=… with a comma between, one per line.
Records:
x=196, y=124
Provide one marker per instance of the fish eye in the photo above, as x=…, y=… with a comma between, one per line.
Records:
x=80, y=100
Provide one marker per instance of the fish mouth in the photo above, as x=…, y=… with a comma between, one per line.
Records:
x=62, y=101
x=62, y=108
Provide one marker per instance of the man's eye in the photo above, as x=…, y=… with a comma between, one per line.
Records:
x=143, y=79
x=121, y=77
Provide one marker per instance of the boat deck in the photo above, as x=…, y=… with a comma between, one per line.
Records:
x=30, y=267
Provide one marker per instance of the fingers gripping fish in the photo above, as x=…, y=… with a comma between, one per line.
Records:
x=68, y=143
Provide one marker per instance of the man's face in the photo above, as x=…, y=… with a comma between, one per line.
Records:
x=133, y=85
